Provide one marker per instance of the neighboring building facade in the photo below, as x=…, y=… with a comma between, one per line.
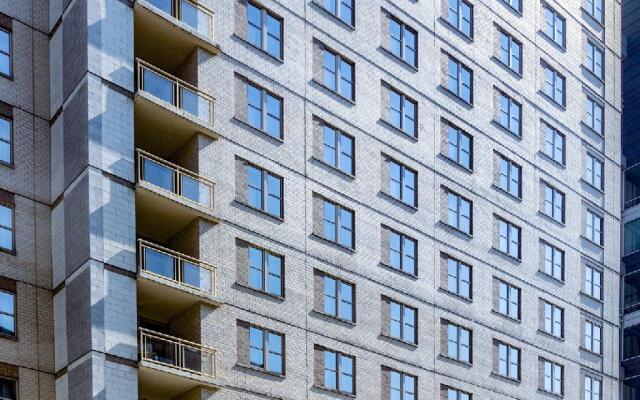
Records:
x=312, y=199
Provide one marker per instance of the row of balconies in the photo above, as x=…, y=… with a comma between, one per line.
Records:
x=169, y=111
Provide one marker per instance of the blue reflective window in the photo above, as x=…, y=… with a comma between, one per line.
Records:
x=264, y=191
x=459, y=278
x=264, y=111
x=554, y=144
x=266, y=350
x=6, y=228
x=338, y=298
x=402, y=386
x=460, y=80
x=459, y=212
x=510, y=51
x=459, y=343
x=459, y=147
x=338, y=149
x=402, y=183
x=265, y=271
x=338, y=224
x=510, y=175
x=554, y=27
x=554, y=85
x=509, y=238
x=403, y=43
x=338, y=74
x=7, y=314
x=402, y=112
x=6, y=139
x=402, y=252
x=596, y=9
x=402, y=322
x=341, y=9
x=461, y=16
x=264, y=30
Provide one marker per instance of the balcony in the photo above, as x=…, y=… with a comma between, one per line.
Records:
x=171, y=282
x=170, y=366
x=168, y=110
x=167, y=31
x=168, y=197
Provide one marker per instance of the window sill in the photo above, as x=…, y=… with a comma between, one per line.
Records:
x=334, y=318
x=513, y=10
x=561, y=47
x=592, y=18
x=549, y=218
x=260, y=211
x=505, y=378
x=590, y=129
x=508, y=256
x=456, y=361
x=582, y=348
x=335, y=93
x=259, y=131
x=337, y=392
x=559, y=396
x=339, y=246
x=13, y=338
x=555, y=280
x=279, y=60
x=516, y=74
x=454, y=96
x=509, y=195
x=592, y=74
x=553, y=102
x=455, y=163
x=517, y=136
x=333, y=168
x=7, y=76
x=518, y=321
x=262, y=292
x=413, y=138
x=404, y=62
x=455, y=295
x=551, y=159
x=334, y=17
x=11, y=252
x=261, y=371
x=601, y=246
x=547, y=334
x=583, y=293
x=399, y=271
x=398, y=201
x=400, y=341
x=462, y=35
x=9, y=164
x=586, y=182
x=456, y=230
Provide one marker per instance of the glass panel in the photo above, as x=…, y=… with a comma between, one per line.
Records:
x=5, y=129
x=346, y=154
x=196, y=18
x=164, y=5
x=158, y=174
x=256, y=268
x=275, y=353
x=396, y=38
x=256, y=347
x=254, y=100
x=159, y=263
x=195, y=190
x=274, y=278
x=274, y=206
x=274, y=32
x=196, y=276
x=330, y=370
x=160, y=350
x=7, y=325
x=158, y=86
x=330, y=296
x=193, y=359
x=6, y=239
x=346, y=301
x=195, y=104
x=7, y=303
x=329, y=62
x=254, y=18
x=346, y=228
x=329, y=221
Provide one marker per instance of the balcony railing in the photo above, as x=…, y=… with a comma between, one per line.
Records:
x=175, y=179
x=191, y=13
x=176, y=353
x=176, y=267
x=174, y=91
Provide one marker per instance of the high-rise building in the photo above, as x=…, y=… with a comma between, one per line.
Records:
x=310, y=199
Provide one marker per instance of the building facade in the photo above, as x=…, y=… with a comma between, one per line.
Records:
x=313, y=199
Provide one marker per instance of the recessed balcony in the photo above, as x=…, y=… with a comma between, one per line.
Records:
x=169, y=197
x=169, y=111
x=167, y=31
x=170, y=366
x=171, y=282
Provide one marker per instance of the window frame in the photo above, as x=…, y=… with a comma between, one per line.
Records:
x=458, y=343
x=552, y=378
x=456, y=278
x=403, y=43
x=589, y=285
x=592, y=9
x=458, y=148
x=459, y=394
x=557, y=201
x=512, y=107
x=553, y=143
x=557, y=18
x=265, y=271
x=507, y=301
x=511, y=166
x=508, y=362
x=518, y=9
x=11, y=229
x=9, y=54
x=557, y=78
x=15, y=384
x=555, y=252
x=9, y=142
x=264, y=31
x=458, y=25
x=550, y=317
x=264, y=190
x=338, y=225
x=402, y=323
x=589, y=393
x=338, y=356
x=591, y=63
x=413, y=394
x=592, y=341
x=459, y=69
x=266, y=350
x=460, y=201
x=591, y=232
x=403, y=113
x=402, y=182
x=509, y=240
x=338, y=298
x=403, y=238
x=511, y=41
x=592, y=108
x=339, y=78
x=337, y=149
x=594, y=174
x=264, y=112
x=338, y=13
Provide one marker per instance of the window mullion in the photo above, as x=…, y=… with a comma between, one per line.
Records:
x=265, y=345
x=337, y=147
x=263, y=29
x=265, y=271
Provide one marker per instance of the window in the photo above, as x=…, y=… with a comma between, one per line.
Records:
x=402, y=386
x=402, y=183
x=341, y=9
x=594, y=115
x=5, y=52
x=515, y=4
x=509, y=238
x=402, y=322
x=455, y=394
x=510, y=51
x=266, y=271
x=459, y=213
x=458, y=343
x=264, y=191
x=595, y=59
x=266, y=350
x=460, y=80
x=338, y=74
x=553, y=320
x=6, y=228
x=264, y=30
x=593, y=282
x=338, y=149
x=339, y=372
x=553, y=261
x=508, y=361
x=510, y=114
x=459, y=147
x=510, y=175
x=403, y=252
x=554, y=144
x=554, y=85
x=461, y=16
x=595, y=171
x=593, y=337
x=338, y=224
x=554, y=202
x=8, y=389
x=594, y=227
x=554, y=27
x=553, y=377
x=338, y=298
x=6, y=138
x=508, y=300
x=7, y=313
x=595, y=9
x=403, y=113
x=404, y=42
x=458, y=278
x=592, y=388
x=264, y=111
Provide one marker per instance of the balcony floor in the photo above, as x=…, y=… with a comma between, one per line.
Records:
x=162, y=382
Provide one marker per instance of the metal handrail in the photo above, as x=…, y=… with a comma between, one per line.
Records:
x=180, y=348
x=179, y=260
x=178, y=172
x=177, y=85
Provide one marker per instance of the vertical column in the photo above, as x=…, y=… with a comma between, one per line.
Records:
x=92, y=181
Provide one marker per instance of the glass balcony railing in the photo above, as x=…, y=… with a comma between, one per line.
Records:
x=174, y=91
x=190, y=12
x=632, y=186
x=176, y=353
x=175, y=179
x=176, y=267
